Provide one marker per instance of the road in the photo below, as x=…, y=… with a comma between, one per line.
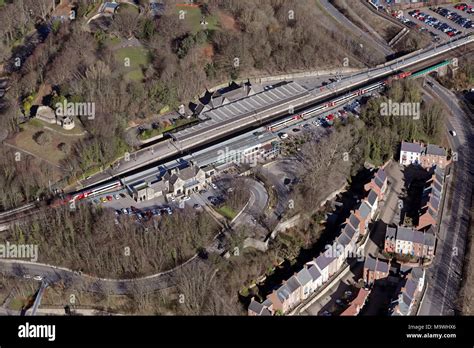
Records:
x=444, y=277
x=380, y=45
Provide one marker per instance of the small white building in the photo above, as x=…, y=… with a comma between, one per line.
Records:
x=410, y=153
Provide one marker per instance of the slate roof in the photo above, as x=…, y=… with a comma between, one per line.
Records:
x=370, y=263
x=315, y=274
x=435, y=150
x=372, y=197
x=382, y=266
x=323, y=261
x=343, y=239
x=405, y=233
x=411, y=147
x=293, y=284
x=303, y=276
x=283, y=293
x=364, y=210
x=354, y=221
x=349, y=231
x=381, y=174
x=390, y=232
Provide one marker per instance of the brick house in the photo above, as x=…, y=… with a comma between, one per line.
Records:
x=434, y=155
x=375, y=269
x=378, y=183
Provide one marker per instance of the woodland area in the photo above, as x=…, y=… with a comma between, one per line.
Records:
x=89, y=240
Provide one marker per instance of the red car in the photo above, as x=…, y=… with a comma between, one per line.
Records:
x=109, y=198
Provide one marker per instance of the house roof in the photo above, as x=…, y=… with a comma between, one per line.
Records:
x=256, y=307
x=435, y=150
x=370, y=263
x=283, y=293
x=349, y=231
x=411, y=147
x=390, y=232
x=293, y=284
x=382, y=266
x=405, y=233
x=375, y=264
x=314, y=272
x=343, y=239
x=378, y=182
x=303, y=276
x=381, y=174
x=364, y=210
x=323, y=261
x=354, y=221
x=372, y=197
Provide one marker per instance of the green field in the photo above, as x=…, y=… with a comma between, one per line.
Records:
x=193, y=16
x=227, y=212
x=132, y=59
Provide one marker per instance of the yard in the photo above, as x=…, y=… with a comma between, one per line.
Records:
x=49, y=151
x=193, y=15
x=227, y=212
x=133, y=59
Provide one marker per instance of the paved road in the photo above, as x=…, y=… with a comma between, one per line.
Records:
x=380, y=45
x=444, y=276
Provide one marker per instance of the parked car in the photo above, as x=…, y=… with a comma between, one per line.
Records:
x=214, y=186
x=117, y=196
x=109, y=198
x=38, y=277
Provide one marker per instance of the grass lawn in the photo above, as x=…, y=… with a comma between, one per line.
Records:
x=48, y=152
x=136, y=57
x=227, y=212
x=77, y=130
x=193, y=16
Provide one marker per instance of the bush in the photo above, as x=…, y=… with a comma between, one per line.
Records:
x=42, y=138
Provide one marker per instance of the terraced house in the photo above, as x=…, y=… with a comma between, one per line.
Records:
x=409, y=241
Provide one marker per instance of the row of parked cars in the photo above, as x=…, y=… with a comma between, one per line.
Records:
x=435, y=23
x=465, y=7
x=145, y=214
x=455, y=17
